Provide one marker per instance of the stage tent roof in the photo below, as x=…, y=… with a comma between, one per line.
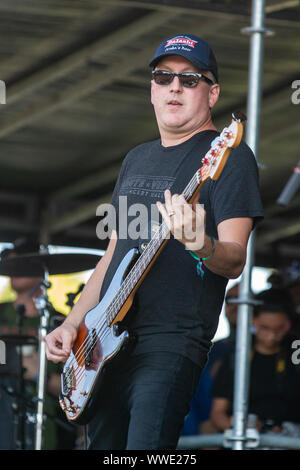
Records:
x=77, y=99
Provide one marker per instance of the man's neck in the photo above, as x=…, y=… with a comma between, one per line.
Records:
x=169, y=139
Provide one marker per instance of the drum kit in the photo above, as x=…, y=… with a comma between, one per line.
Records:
x=40, y=265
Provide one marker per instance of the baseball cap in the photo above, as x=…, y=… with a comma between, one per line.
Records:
x=192, y=48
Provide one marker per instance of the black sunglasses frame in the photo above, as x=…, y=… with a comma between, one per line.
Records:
x=198, y=77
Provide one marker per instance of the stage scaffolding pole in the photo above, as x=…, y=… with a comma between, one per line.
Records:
x=245, y=301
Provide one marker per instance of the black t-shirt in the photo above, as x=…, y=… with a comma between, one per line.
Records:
x=175, y=309
x=274, y=386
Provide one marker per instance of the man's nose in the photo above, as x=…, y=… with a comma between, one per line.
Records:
x=176, y=85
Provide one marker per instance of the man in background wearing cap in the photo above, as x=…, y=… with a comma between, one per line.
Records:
x=145, y=397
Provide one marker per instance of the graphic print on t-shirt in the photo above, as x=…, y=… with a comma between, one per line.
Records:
x=146, y=185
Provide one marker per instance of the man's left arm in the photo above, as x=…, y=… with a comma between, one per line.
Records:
x=187, y=222
x=230, y=250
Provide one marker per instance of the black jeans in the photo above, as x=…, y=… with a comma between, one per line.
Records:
x=143, y=402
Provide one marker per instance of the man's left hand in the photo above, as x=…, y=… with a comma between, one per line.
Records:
x=185, y=221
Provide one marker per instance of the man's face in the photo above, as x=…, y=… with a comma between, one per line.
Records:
x=23, y=284
x=271, y=328
x=181, y=109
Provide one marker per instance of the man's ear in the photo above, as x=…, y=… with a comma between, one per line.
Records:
x=214, y=94
x=152, y=91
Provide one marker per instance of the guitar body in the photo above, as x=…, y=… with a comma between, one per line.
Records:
x=97, y=344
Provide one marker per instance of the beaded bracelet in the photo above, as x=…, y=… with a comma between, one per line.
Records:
x=200, y=270
x=212, y=249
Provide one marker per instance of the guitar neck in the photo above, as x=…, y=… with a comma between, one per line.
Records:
x=148, y=256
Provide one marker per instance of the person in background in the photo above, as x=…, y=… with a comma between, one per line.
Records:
x=221, y=347
x=274, y=379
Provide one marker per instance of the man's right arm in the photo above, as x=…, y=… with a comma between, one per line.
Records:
x=60, y=341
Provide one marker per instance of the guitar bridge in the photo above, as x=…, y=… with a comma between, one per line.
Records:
x=68, y=381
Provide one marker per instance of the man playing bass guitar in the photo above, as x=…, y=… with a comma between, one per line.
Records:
x=145, y=395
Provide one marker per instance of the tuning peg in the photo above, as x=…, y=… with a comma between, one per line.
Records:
x=239, y=116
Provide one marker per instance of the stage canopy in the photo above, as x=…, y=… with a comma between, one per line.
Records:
x=77, y=99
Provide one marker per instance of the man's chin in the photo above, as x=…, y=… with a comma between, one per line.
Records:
x=175, y=123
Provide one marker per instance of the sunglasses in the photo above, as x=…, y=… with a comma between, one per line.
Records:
x=187, y=79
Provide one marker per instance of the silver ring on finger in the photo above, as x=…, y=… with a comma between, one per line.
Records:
x=170, y=213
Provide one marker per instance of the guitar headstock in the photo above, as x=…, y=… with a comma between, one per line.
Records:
x=215, y=159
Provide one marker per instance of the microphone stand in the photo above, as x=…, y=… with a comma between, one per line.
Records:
x=42, y=304
x=20, y=412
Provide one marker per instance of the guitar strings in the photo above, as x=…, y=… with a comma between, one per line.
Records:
x=83, y=352
x=128, y=279
x=87, y=342
x=79, y=357
x=81, y=370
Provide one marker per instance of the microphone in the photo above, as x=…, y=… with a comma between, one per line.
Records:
x=290, y=188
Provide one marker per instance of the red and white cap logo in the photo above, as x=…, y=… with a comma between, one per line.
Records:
x=185, y=41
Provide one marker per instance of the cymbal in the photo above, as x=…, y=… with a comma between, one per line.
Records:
x=34, y=264
x=18, y=340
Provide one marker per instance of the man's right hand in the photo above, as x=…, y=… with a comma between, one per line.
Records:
x=60, y=342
